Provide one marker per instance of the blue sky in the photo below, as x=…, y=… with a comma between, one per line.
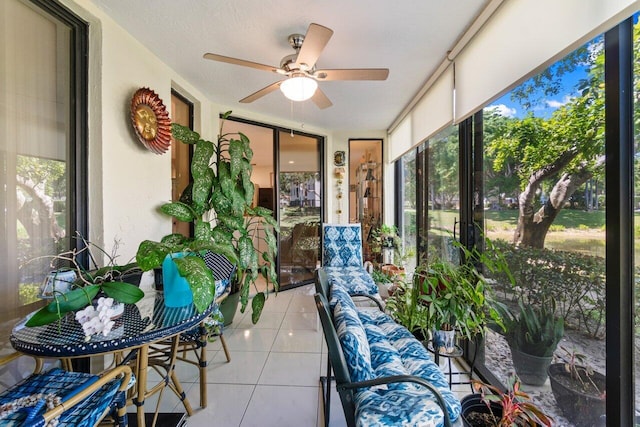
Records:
x=507, y=107
x=569, y=81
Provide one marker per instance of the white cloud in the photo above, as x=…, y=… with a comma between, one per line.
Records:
x=551, y=103
x=503, y=110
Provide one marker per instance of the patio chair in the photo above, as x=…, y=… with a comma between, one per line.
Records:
x=192, y=346
x=73, y=398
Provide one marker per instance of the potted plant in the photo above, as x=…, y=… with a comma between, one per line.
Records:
x=580, y=392
x=492, y=407
x=385, y=240
x=457, y=301
x=118, y=282
x=533, y=336
x=458, y=296
x=406, y=309
x=218, y=202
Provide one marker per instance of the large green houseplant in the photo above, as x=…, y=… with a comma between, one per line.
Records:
x=457, y=295
x=219, y=203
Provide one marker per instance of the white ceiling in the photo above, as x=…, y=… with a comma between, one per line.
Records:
x=410, y=37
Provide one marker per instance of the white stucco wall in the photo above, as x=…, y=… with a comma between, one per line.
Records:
x=127, y=182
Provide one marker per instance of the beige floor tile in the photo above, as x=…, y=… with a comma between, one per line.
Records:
x=226, y=405
x=250, y=339
x=245, y=367
x=278, y=406
x=298, y=340
x=300, y=369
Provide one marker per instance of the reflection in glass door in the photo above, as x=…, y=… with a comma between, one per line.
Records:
x=299, y=207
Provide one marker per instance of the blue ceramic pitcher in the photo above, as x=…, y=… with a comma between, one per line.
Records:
x=177, y=292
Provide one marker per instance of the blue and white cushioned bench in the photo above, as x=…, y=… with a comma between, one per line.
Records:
x=383, y=374
x=342, y=259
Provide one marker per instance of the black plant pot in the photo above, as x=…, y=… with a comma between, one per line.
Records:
x=419, y=335
x=474, y=410
x=580, y=408
x=132, y=277
x=531, y=369
x=157, y=279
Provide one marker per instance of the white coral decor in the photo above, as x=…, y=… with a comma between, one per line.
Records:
x=98, y=320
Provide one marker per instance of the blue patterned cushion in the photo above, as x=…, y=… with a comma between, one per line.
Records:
x=376, y=346
x=353, y=340
x=403, y=354
x=354, y=279
x=338, y=293
x=62, y=383
x=375, y=317
x=221, y=287
x=397, y=408
x=341, y=245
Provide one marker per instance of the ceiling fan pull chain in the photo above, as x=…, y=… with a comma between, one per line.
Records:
x=291, y=112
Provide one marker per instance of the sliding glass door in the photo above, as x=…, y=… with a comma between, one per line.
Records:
x=299, y=205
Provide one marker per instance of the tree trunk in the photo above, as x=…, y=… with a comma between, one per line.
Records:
x=39, y=214
x=533, y=225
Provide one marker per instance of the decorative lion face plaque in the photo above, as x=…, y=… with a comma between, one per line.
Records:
x=150, y=120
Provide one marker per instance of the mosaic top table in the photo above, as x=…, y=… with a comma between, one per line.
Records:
x=142, y=324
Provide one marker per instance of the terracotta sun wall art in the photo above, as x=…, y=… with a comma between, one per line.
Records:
x=150, y=120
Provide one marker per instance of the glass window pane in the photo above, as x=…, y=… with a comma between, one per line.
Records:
x=636, y=201
x=545, y=210
x=35, y=110
x=443, y=194
x=299, y=208
x=409, y=209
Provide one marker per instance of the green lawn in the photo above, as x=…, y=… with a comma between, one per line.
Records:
x=567, y=218
x=573, y=230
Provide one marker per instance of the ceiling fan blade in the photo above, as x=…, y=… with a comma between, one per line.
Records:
x=321, y=100
x=315, y=40
x=236, y=61
x=262, y=92
x=353, y=74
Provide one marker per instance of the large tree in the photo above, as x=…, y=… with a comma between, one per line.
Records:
x=557, y=155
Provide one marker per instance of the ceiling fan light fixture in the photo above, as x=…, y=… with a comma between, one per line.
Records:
x=299, y=88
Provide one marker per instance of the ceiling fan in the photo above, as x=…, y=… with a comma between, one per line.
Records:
x=300, y=69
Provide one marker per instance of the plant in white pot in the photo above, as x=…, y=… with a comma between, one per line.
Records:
x=71, y=287
x=456, y=300
x=218, y=202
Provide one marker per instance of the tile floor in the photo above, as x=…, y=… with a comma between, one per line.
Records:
x=273, y=376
